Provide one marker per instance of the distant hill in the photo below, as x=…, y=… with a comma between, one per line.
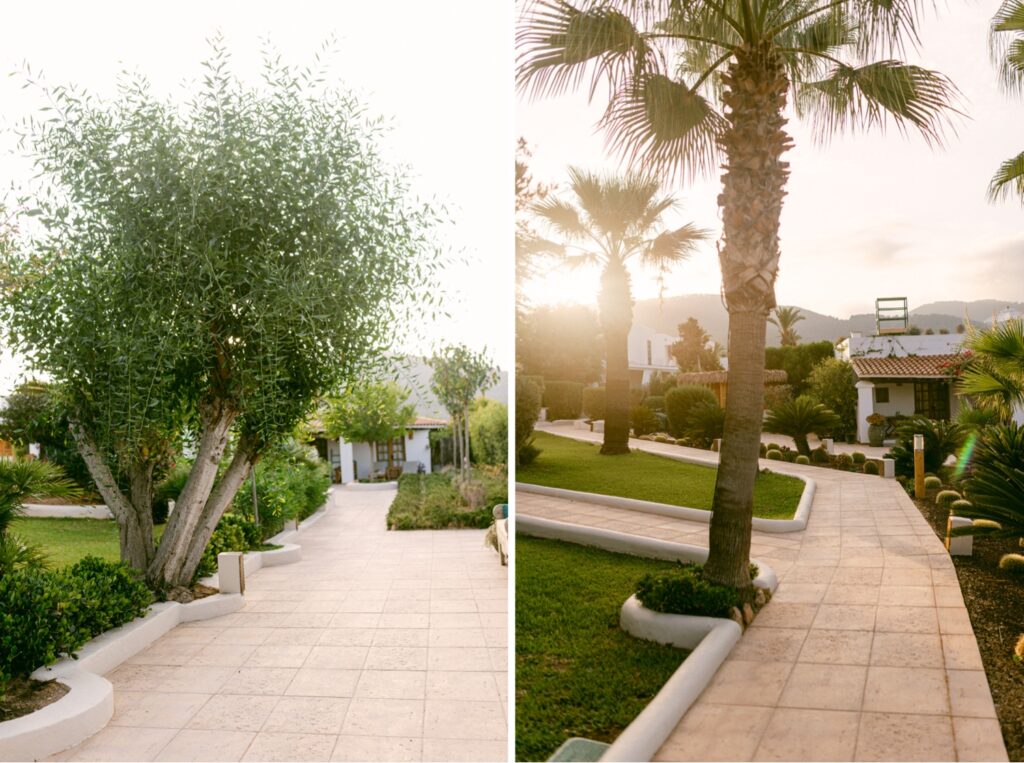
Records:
x=708, y=309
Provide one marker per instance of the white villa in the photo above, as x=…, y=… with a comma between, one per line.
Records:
x=648, y=354
x=352, y=461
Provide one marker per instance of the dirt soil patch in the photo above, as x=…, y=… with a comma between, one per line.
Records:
x=25, y=695
x=995, y=602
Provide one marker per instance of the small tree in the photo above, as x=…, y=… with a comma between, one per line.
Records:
x=785, y=320
x=370, y=413
x=206, y=273
x=695, y=351
x=459, y=375
x=799, y=418
x=833, y=384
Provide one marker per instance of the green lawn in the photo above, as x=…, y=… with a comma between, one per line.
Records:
x=577, y=673
x=576, y=465
x=65, y=541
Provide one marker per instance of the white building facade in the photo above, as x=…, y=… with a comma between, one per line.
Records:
x=351, y=461
x=649, y=354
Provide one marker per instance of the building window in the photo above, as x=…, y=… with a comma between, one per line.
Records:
x=931, y=399
x=881, y=394
x=649, y=353
x=397, y=450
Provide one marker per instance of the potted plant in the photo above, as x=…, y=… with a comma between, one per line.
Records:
x=876, y=429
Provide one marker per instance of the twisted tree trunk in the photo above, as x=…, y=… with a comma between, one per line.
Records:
x=751, y=202
x=615, y=304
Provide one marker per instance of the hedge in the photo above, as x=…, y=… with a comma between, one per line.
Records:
x=563, y=399
x=680, y=401
x=594, y=402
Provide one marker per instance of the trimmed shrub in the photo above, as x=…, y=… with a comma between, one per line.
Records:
x=1013, y=563
x=871, y=467
x=105, y=594
x=684, y=591
x=858, y=457
x=642, y=420
x=535, y=379
x=804, y=460
x=789, y=456
x=488, y=432
x=844, y=460
x=679, y=401
x=944, y=498
x=655, y=402
x=774, y=455
x=563, y=399
x=528, y=398
x=593, y=402
x=932, y=483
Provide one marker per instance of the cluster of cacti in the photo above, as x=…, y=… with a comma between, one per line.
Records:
x=871, y=467
x=1012, y=563
x=945, y=498
x=932, y=483
x=773, y=454
x=986, y=524
x=819, y=456
x=844, y=460
x=803, y=460
x=858, y=457
x=773, y=446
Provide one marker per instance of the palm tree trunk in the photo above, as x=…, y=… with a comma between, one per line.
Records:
x=802, y=446
x=616, y=311
x=751, y=201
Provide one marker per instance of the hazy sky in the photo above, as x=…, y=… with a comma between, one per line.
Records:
x=440, y=71
x=868, y=215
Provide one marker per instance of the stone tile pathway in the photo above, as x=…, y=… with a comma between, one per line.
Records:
x=376, y=646
x=866, y=651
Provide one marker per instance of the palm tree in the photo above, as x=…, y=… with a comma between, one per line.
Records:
x=691, y=82
x=994, y=374
x=19, y=481
x=612, y=222
x=799, y=418
x=785, y=320
x=1007, y=42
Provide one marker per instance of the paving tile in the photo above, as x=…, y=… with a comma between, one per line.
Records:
x=906, y=620
x=460, y=719
x=384, y=717
x=969, y=694
x=278, y=656
x=785, y=615
x=978, y=739
x=895, y=736
x=716, y=732
x=459, y=658
x=906, y=596
x=392, y=684
x=258, y=681
x=278, y=746
x=308, y=715
x=743, y=682
x=202, y=745
x=824, y=687
x=376, y=748
x=155, y=709
x=120, y=743
x=782, y=644
x=396, y=658
x=234, y=712
x=400, y=637
x=845, y=617
x=906, y=690
x=794, y=734
x=837, y=647
x=337, y=657
x=851, y=594
x=910, y=650
x=961, y=652
x=955, y=621
x=476, y=686
x=347, y=637
x=464, y=750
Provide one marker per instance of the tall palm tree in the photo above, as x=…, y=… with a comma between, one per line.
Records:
x=694, y=83
x=613, y=221
x=785, y=320
x=1007, y=43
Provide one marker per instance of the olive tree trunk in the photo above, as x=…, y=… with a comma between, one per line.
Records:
x=616, y=313
x=751, y=202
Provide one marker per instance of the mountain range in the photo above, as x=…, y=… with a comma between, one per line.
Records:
x=666, y=315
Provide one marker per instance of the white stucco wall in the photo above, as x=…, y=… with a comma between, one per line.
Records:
x=899, y=346
x=660, y=357
x=901, y=399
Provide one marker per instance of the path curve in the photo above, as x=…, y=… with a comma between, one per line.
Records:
x=376, y=646
x=866, y=651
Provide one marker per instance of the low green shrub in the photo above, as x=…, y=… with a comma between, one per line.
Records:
x=819, y=456
x=945, y=498
x=1013, y=563
x=871, y=467
x=683, y=591
x=433, y=501
x=858, y=457
x=789, y=456
x=234, y=533
x=291, y=483
x=802, y=460
x=932, y=483
x=655, y=402
x=594, y=402
x=844, y=461
x=563, y=399
x=488, y=432
x=773, y=454
x=105, y=594
x=680, y=401
x=642, y=420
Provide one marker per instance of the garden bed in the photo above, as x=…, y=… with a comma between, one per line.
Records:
x=574, y=465
x=995, y=603
x=577, y=672
x=433, y=501
x=26, y=695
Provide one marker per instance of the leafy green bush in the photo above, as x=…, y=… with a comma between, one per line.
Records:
x=832, y=383
x=683, y=591
x=488, y=432
x=291, y=483
x=105, y=594
x=774, y=454
x=594, y=402
x=706, y=423
x=655, y=402
x=798, y=361
x=233, y=533
x=643, y=420
x=563, y=399
x=528, y=406
x=433, y=501
x=941, y=440
x=680, y=401
x=871, y=467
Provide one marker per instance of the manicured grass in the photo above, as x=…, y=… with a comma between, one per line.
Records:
x=65, y=541
x=576, y=465
x=577, y=673
x=433, y=502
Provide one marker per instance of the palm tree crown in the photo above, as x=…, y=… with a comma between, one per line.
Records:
x=1007, y=45
x=785, y=319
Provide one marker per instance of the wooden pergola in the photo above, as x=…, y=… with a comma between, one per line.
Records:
x=718, y=381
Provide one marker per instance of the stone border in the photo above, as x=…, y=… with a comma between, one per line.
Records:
x=67, y=511
x=711, y=638
x=89, y=704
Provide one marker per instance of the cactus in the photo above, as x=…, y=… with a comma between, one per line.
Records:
x=789, y=456
x=1013, y=563
x=663, y=439
x=985, y=524
x=871, y=467
x=945, y=498
x=802, y=460
x=682, y=441
x=932, y=483
x=773, y=455
x=844, y=461
x=960, y=505
x=762, y=450
x=858, y=457
x=774, y=446
x=819, y=456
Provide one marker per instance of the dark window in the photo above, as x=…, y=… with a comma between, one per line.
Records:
x=397, y=449
x=931, y=399
x=649, y=353
x=881, y=394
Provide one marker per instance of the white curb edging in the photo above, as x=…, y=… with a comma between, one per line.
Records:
x=67, y=511
x=371, y=485
x=711, y=638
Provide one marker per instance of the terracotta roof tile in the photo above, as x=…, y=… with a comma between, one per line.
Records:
x=914, y=366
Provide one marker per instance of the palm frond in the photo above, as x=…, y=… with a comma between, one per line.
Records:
x=664, y=126
x=1006, y=45
x=1008, y=180
x=885, y=26
x=873, y=94
x=561, y=216
x=1004, y=342
x=560, y=45
x=674, y=246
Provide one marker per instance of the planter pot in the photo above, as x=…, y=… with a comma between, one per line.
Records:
x=876, y=433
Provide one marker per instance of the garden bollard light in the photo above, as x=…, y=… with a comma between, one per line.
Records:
x=919, y=491
x=960, y=545
x=231, y=572
x=889, y=468
x=830, y=446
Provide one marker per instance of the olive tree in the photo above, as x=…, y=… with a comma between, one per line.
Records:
x=459, y=375
x=370, y=413
x=202, y=273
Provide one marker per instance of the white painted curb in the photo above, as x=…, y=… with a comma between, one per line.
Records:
x=67, y=511
x=393, y=484
x=711, y=638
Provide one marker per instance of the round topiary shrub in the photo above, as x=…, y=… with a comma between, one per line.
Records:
x=773, y=454
x=1013, y=563
x=844, y=461
x=858, y=457
x=960, y=505
x=804, y=460
x=773, y=446
x=945, y=498
x=932, y=483
x=789, y=456
x=819, y=456
x=871, y=467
